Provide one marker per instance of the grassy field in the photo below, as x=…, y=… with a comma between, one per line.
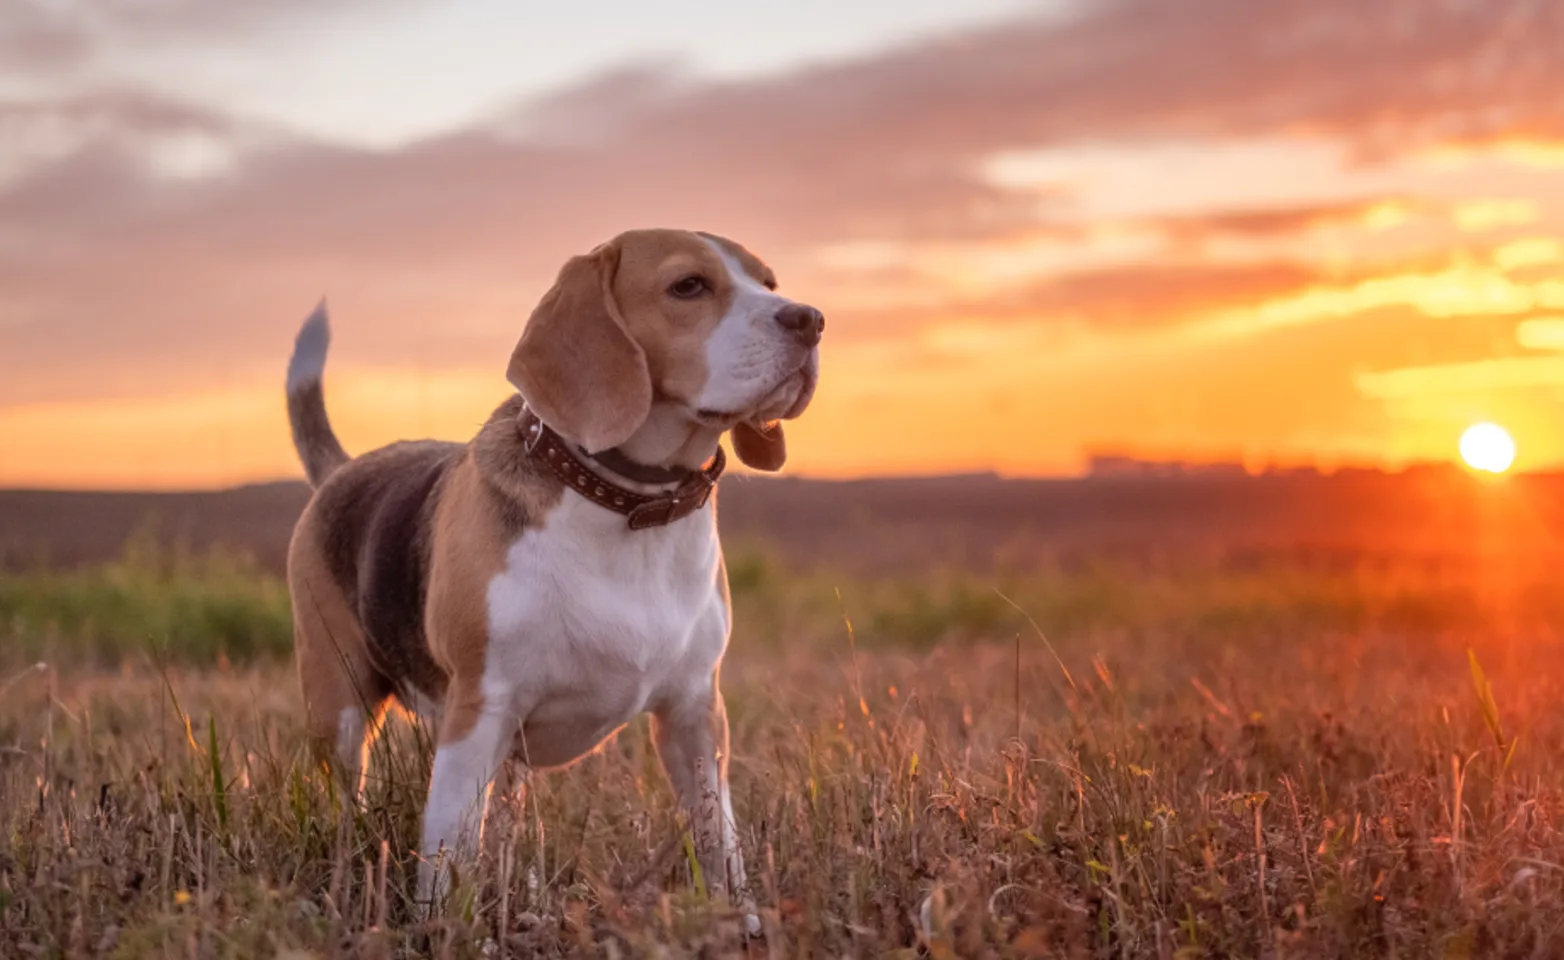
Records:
x=1248, y=757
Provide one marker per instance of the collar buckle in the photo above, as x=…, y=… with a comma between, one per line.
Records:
x=659, y=511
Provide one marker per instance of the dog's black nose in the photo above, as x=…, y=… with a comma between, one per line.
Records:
x=806, y=323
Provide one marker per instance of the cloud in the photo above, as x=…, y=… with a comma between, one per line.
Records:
x=161, y=239
x=1489, y=214
x=1285, y=222
x=1396, y=73
x=1152, y=294
x=55, y=38
x=1476, y=376
x=188, y=16
x=1541, y=333
x=120, y=110
x=37, y=36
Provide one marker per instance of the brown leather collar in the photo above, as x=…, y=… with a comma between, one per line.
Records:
x=644, y=510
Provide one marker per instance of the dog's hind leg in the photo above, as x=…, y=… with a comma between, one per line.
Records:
x=345, y=697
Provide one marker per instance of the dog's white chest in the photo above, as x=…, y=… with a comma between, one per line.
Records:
x=590, y=621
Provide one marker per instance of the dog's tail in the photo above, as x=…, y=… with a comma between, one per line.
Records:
x=312, y=434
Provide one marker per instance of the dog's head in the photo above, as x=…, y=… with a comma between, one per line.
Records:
x=687, y=318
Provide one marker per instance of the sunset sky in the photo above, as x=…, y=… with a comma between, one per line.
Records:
x=1293, y=231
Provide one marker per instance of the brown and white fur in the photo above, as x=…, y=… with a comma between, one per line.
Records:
x=518, y=618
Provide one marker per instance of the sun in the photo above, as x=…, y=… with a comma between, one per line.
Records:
x=1487, y=447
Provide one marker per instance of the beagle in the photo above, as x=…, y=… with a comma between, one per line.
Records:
x=529, y=592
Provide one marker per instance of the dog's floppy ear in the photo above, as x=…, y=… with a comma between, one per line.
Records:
x=763, y=448
x=576, y=365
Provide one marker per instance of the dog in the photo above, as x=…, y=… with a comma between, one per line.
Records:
x=529, y=592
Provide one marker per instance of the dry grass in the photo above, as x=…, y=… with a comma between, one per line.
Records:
x=1222, y=763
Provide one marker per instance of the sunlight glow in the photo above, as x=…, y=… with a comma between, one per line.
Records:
x=1479, y=215
x=1487, y=447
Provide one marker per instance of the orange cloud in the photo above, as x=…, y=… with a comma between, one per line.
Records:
x=1541, y=333
x=1287, y=221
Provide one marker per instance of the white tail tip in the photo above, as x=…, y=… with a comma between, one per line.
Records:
x=309, y=349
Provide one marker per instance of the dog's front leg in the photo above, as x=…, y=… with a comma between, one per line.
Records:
x=475, y=736
x=691, y=733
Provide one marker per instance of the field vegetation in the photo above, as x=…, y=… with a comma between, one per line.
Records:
x=1256, y=754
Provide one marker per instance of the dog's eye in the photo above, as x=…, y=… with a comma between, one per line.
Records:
x=690, y=287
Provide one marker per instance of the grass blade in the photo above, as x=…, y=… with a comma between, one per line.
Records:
x=1485, y=701
x=219, y=790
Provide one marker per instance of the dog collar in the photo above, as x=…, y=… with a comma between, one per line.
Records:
x=644, y=510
